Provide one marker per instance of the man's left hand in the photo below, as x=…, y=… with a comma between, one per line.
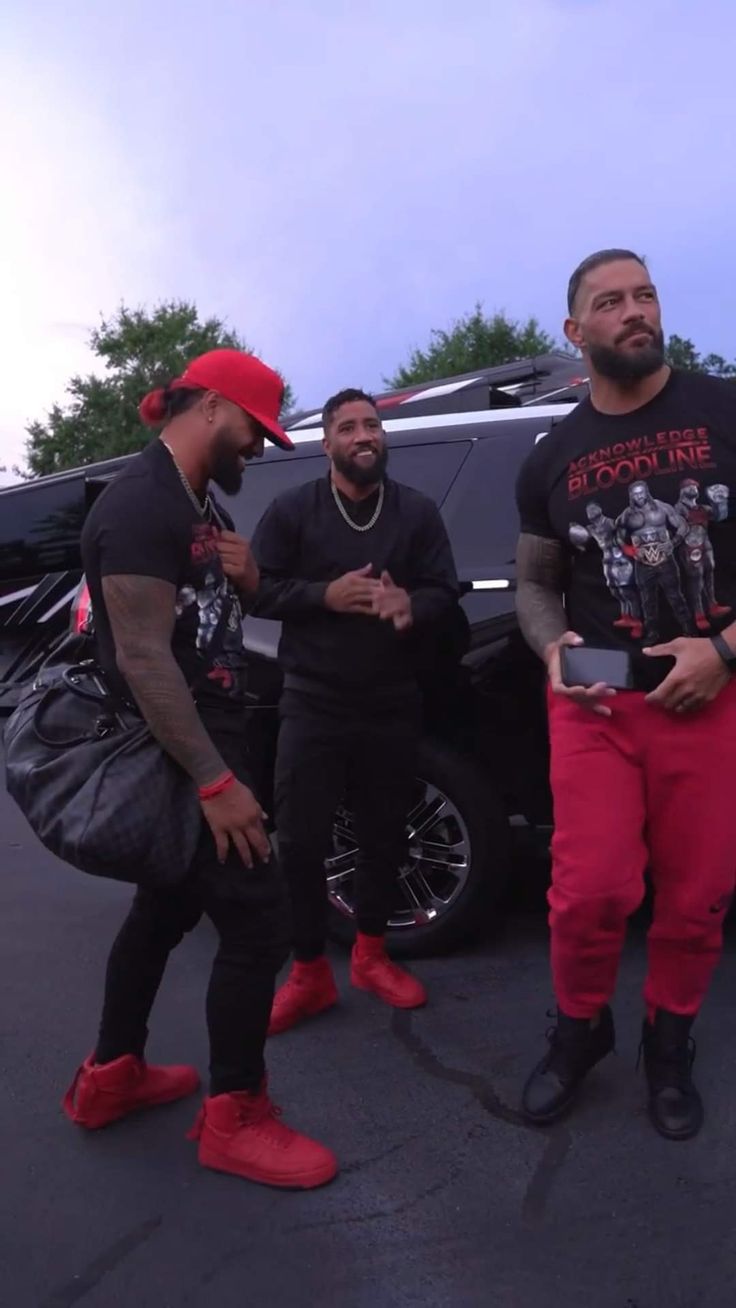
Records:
x=237, y=562
x=699, y=675
x=393, y=604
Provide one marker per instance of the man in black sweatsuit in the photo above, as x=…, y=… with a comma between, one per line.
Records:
x=360, y=572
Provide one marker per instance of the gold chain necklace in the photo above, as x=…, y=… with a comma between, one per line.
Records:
x=366, y=526
x=204, y=510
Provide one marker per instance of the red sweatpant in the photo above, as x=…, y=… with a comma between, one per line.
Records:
x=643, y=788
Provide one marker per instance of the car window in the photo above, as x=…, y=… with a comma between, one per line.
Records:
x=428, y=468
x=480, y=513
x=264, y=481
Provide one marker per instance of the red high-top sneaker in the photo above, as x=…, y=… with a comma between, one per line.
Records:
x=242, y=1133
x=103, y=1093
x=309, y=989
x=372, y=969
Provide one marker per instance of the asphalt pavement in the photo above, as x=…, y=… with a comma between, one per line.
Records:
x=445, y=1199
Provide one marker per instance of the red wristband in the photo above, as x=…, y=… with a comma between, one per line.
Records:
x=216, y=787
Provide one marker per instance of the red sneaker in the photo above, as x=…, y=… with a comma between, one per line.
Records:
x=242, y=1133
x=701, y=622
x=104, y=1092
x=372, y=969
x=310, y=989
x=719, y=610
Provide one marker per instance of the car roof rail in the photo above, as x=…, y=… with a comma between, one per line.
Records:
x=557, y=377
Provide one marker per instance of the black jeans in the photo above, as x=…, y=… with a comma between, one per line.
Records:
x=365, y=752
x=249, y=910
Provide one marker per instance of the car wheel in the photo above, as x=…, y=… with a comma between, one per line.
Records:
x=458, y=858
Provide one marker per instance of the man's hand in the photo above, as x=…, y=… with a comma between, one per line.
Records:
x=237, y=562
x=354, y=592
x=235, y=815
x=393, y=604
x=698, y=676
x=588, y=697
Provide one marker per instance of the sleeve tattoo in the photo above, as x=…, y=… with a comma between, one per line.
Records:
x=142, y=615
x=540, y=585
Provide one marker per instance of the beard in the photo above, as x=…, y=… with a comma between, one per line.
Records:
x=225, y=469
x=628, y=366
x=356, y=474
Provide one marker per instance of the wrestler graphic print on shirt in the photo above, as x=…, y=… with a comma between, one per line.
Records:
x=200, y=601
x=654, y=552
x=643, y=503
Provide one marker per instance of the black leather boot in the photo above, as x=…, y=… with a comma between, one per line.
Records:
x=576, y=1045
x=675, y=1106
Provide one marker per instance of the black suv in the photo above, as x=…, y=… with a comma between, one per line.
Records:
x=483, y=768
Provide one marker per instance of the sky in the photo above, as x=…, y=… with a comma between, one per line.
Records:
x=335, y=180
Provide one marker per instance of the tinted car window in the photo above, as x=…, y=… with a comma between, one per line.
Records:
x=40, y=527
x=264, y=481
x=480, y=513
x=428, y=468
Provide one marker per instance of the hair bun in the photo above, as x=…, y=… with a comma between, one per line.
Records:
x=152, y=407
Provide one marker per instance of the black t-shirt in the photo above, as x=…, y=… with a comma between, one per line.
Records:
x=303, y=543
x=144, y=524
x=643, y=503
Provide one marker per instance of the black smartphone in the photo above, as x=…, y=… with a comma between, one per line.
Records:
x=583, y=666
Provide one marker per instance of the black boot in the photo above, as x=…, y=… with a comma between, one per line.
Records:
x=675, y=1106
x=576, y=1045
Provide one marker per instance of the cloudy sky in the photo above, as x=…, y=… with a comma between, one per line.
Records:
x=335, y=179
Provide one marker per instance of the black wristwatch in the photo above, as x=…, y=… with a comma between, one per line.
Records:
x=724, y=649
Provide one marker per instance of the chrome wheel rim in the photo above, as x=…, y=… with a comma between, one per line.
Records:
x=434, y=873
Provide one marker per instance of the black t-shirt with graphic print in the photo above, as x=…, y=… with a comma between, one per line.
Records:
x=643, y=503
x=145, y=524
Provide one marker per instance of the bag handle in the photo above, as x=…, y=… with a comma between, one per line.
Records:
x=60, y=689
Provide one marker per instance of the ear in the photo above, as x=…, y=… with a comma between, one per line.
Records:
x=210, y=401
x=573, y=333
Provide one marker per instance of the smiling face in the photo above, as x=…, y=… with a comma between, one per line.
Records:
x=235, y=439
x=616, y=322
x=355, y=444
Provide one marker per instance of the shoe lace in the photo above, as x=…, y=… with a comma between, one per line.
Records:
x=262, y=1110
x=564, y=1054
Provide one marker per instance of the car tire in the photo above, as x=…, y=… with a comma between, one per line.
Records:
x=481, y=815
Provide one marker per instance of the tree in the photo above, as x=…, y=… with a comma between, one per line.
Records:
x=140, y=350
x=681, y=353
x=474, y=341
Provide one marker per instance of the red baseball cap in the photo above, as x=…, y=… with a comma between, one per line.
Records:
x=239, y=377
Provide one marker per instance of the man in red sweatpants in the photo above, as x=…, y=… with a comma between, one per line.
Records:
x=628, y=545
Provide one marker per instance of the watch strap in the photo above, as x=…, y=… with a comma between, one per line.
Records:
x=722, y=647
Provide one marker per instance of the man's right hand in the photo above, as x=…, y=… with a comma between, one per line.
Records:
x=235, y=815
x=353, y=592
x=588, y=697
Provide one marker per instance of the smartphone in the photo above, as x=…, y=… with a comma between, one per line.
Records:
x=583, y=666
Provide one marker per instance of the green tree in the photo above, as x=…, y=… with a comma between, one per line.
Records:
x=474, y=341
x=140, y=349
x=681, y=353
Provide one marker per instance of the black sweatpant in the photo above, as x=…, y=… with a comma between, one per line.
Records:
x=362, y=750
x=249, y=910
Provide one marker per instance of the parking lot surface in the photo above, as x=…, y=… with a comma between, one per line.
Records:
x=445, y=1199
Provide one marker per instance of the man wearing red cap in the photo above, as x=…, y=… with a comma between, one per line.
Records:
x=168, y=578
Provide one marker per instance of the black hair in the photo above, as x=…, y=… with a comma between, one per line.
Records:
x=347, y=396
x=180, y=398
x=592, y=262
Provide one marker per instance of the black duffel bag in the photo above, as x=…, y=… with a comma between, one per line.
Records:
x=93, y=783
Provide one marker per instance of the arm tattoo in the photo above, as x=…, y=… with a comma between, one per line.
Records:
x=540, y=584
x=142, y=615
